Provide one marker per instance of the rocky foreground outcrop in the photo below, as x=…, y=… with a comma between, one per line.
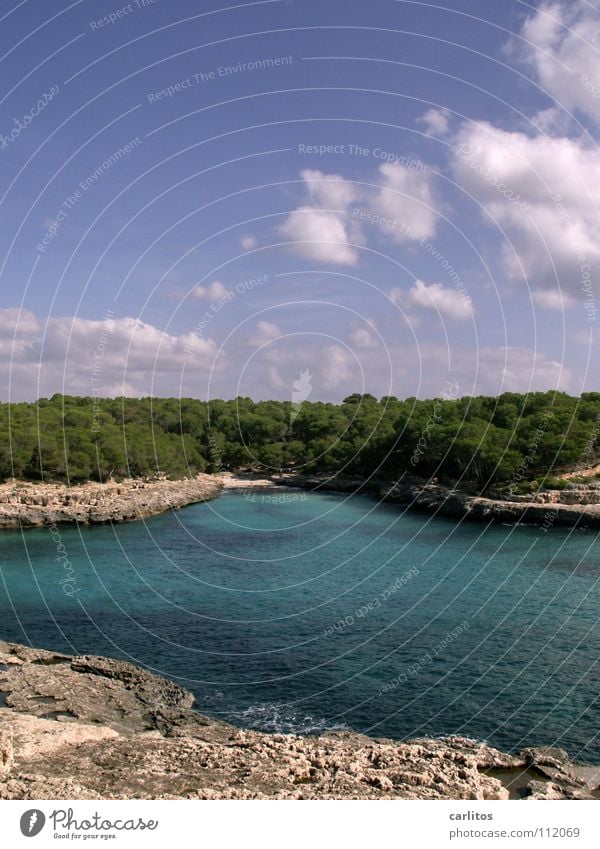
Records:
x=34, y=504
x=94, y=728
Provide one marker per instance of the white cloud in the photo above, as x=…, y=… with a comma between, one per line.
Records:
x=331, y=365
x=140, y=359
x=363, y=337
x=337, y=367
x=131, y=346
x=520, y=370
x=276, y=382
x=335, y=370
x=321, y=228
x=212, y=292
x=552, y=121
x=488, y=371
x=406, y=198
x=436, y=121
x=327, y=227
x=19, y=330
x=248, y=242
x=83, y=356
x=564, y=50
x=545, y=192
x=322, y=236
x=552, y=299
x=329, y=191
x=266, y=331
x=450, y=303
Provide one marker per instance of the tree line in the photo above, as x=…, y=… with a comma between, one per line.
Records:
x=516, y=440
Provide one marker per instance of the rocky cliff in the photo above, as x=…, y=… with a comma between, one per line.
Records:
x=32, y=504
x=95, y=728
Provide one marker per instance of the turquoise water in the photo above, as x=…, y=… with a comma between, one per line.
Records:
x=317, y=611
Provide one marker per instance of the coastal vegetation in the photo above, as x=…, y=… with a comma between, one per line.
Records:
x=521, y=441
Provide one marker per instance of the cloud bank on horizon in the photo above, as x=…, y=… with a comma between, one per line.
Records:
x=382, y=210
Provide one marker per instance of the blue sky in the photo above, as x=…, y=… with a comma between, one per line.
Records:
x=210, y=201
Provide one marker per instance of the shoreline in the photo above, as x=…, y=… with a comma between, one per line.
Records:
x=235, y=482
x=26, y=504
x=29, y=505
x=91, y=727
x=456, y=504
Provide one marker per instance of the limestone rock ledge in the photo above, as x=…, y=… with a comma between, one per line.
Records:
x=576, y=508
x=34, y=504
x=95, y=728
x=451, y=502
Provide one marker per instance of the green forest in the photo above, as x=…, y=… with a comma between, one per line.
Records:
x=512, y=440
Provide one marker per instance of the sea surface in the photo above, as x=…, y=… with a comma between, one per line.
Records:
x=300, y=612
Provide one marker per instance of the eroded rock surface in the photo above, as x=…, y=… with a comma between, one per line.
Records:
x=32, y=504
x=95, y=728
x=547, y=512
x=579, y=506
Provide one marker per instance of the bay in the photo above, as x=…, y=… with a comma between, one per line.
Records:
x=300, y=612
